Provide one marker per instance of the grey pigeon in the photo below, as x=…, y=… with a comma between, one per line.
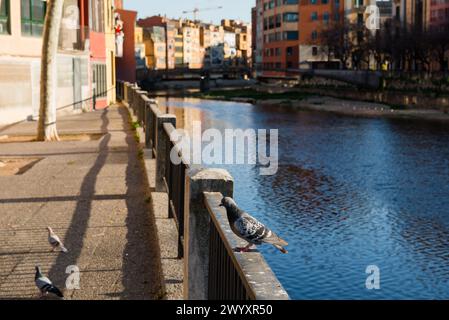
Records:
x=44, y=284
x=54, y=241
x=249, y=229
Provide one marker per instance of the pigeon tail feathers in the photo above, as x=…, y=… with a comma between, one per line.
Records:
x=55, y=291
x=38, y=273
x=281, y=249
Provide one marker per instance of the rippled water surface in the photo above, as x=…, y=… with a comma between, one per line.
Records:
x=349, y=193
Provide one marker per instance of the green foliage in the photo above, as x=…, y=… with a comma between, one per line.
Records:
x=251, y=94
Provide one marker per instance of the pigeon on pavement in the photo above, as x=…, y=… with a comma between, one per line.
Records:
x=44, y=284
x=54, y=240
x=249, y=229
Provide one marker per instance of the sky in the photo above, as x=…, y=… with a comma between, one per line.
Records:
x=232, y=9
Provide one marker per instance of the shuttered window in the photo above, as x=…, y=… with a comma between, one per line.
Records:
x=4, y=17
x=100, y=80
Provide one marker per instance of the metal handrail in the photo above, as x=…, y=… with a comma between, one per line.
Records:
x=174, y=181
x=235, y=275
x=231, y=275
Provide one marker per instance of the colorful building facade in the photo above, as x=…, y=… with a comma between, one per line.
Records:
x=83, y=64
x=288, y=32
x=195, y=45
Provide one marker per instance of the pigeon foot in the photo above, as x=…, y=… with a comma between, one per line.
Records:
x=244, y=249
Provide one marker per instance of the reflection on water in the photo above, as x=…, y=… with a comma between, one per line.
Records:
x=349, y=193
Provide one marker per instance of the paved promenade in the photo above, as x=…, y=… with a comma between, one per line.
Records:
x=94, y=197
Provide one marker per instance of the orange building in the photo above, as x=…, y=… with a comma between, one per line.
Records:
x=291, y=32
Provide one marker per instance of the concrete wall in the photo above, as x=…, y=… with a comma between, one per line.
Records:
x=20, y=86
x=20, y=73
x=16, y=98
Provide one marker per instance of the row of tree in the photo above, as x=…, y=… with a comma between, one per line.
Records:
x=392, y=47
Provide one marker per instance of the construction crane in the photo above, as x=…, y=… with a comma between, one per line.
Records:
x=195, y=11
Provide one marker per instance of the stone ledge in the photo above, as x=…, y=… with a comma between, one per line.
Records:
x=167, y=233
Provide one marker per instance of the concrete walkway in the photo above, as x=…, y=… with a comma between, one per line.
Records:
x=94, y=197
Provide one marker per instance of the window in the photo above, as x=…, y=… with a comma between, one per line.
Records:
x=360, y=19
x=314, y=51
x=278, y=19
x=273, y=37
x=32, y=17
x=291, y=1
x=289, y=51
x=179, y=60
x=291, y=17
x=291, y=35
x=97, y=16
x=271, y=22
x=358, y=3
x=99, y=79
x=326, y=17
x=314, y=16
x=324, y=1
x=337, y=16
x=314, y=35
x=313, y=1
x=4, y=17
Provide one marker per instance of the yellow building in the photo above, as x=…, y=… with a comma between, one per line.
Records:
x=110, y=49
x=193, y=53
x=179, y=49
x=155, y=47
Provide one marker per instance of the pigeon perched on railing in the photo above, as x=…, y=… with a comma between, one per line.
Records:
x=44, y=284
x=249, y=229
x=54, y=241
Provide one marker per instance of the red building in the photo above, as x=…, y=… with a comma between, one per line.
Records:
x=126, y=59
x=290, y=32
x=439, y=15
x=98, y=53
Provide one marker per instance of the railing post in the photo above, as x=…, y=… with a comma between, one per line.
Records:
x=141, y=106
x=131, y=98
x=162, y=154
x=127, y=90
x=149, y=125
x=135, y=99
x=197, y=227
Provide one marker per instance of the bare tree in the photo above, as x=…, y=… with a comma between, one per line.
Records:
x=47, y=112
x=440, y=46
x=337, y=41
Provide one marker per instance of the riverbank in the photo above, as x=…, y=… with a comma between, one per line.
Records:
x=313, y=102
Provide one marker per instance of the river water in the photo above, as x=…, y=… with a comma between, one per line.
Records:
x=349, y=193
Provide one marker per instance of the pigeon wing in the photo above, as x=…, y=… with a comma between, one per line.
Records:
x=43, y=282
x=274, y=239
x=54, y=240
x=55, y=291
x=250, y=229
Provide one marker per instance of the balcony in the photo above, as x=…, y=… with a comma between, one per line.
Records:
x=75, y=38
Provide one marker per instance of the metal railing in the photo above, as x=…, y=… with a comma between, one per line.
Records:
x=213, y=270
x=174, y=180
x=234, y=275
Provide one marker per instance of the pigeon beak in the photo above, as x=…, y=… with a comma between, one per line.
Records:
x=221, y=205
